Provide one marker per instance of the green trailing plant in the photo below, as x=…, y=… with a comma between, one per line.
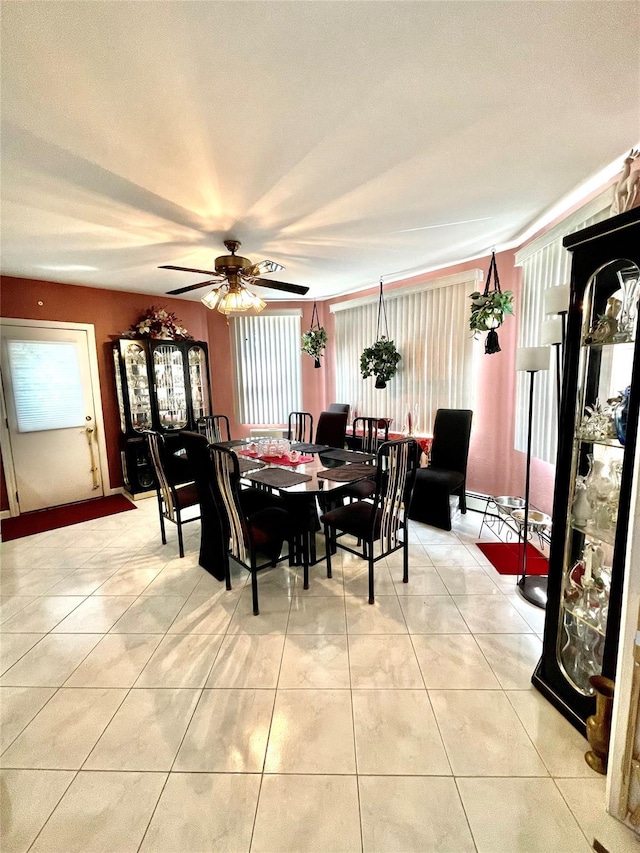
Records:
x=380, y=360
x=488, y=312
x=488, y=309
x=314, y=341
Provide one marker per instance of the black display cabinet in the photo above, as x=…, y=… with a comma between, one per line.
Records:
x=162, y=385
x=595, y=465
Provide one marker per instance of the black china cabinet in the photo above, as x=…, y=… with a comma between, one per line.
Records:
x=162, y=385
x=595, y=465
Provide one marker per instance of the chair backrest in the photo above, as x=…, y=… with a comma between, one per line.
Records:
x=451, y=436
x=215, y=427
x=339, y=407
x=158, y=452
x=214, y=534
x=227, y=482
x=300, y=427
x=332, y=429
x=373, y=432
x=397, y=464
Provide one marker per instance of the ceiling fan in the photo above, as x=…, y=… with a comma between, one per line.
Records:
x=230, y=277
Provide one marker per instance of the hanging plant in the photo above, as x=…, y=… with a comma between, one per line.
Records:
x=381, y=359
x=315, y=340
x=488, y=309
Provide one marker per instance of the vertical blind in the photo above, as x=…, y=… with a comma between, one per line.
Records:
x=430, y=331
x=543, y=268
x=266, y=350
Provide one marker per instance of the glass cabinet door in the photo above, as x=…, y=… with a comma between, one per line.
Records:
x=171, y=393
x=609, y=323
x=199, y=382
x=135, y=367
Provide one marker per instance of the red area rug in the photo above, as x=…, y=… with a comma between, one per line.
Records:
x=506, y=557
x=63, y=516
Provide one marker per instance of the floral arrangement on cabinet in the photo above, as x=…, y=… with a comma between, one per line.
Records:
x=158, y=323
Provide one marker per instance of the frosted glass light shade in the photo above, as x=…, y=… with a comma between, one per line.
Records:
x=556, y=299
x=532, y=358
x=551, y=332
x=227, y=301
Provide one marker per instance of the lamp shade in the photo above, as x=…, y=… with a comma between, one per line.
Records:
x=556, y=299
x=551, y=332
x=532, y=358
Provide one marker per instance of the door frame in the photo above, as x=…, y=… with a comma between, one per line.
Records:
x=7, y=453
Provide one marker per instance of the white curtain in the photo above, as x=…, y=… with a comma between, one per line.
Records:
x=266, y=349
x=430, y=330
x=545, y=264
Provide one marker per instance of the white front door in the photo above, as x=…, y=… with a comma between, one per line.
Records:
x=51, y=416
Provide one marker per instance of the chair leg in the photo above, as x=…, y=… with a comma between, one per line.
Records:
x=227, y=573
x=180, y=539
x=405, y=556
x=162, y=530
x=305, y=557
x=327, y=548
x=463, y=499
x=254, y=587
x=371, y=595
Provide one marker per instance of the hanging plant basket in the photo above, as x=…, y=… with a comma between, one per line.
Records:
x=488, y=309
x=315, y=340
x=381, y=359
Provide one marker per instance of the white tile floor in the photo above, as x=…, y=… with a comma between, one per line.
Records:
x=145, y=708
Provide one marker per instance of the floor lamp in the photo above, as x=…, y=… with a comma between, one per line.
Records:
x=533, y=587
x=554, y=330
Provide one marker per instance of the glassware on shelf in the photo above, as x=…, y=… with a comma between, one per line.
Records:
x=600, y=490
x=621, y=415
x=598, y=422
x=606, y=327
x=630, y=287
x=581, y=508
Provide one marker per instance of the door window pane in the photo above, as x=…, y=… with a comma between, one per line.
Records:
x=46, y=383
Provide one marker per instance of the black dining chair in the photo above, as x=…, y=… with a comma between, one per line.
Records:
x=254, y=527
x=369, y=433
x=447, y=471
x=332, y=429
x=174, y=494
x=339, y=407
x=381, y=524
x=215, y=427
x=300, y=427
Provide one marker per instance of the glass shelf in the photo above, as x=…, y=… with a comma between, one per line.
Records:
x=607, y=536
x=571, y=610
x=599, y=345
x=604, y=442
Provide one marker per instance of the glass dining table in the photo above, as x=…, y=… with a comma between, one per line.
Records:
x=320, y=474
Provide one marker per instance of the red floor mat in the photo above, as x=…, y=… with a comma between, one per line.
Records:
x=62, y=516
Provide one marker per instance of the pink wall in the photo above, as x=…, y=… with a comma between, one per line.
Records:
x=494, y=466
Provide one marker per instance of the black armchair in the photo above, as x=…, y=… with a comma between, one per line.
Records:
x=447, y=471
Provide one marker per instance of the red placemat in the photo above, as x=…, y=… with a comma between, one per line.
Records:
x=277, y=460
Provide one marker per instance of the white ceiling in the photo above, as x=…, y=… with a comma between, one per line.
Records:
x=345, y=140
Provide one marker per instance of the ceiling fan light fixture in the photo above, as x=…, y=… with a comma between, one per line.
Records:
x=228, y=300
x=212, y=298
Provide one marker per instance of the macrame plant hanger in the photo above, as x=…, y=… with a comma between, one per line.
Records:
x=382, y=313
x=492, y=344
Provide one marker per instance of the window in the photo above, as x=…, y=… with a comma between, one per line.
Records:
x=267, y=360
x=429, y=325
x=545, y=263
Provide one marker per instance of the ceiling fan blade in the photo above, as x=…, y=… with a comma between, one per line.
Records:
x=187, y=269
x=264, y=267
x=281, y=285
x=189, y=287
